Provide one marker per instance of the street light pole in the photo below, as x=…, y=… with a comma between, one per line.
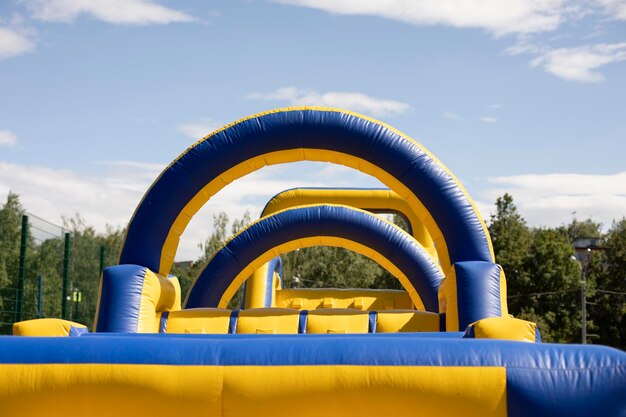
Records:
x=583, y=303
x=583, y=298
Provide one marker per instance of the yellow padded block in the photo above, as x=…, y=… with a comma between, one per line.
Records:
x=333, y=320
x=394, y=321
x=45, y=327
x=268, y=321
x=199, y=320
x=506, y=328
x=359, y=299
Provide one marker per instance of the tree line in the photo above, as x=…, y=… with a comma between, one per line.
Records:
x=544, y=282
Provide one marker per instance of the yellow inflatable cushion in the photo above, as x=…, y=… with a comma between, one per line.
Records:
x=199, y=320
x=506, y=328
x=334, y=320
x=268, y=321
x=394, y=321
x=45, y=327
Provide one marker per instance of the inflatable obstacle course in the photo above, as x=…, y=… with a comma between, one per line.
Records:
x=444, y=346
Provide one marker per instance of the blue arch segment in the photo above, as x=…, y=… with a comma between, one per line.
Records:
x=301, y=222
x=312, y=129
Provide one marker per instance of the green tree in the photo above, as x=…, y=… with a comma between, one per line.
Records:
x=334, y=267
x=607, y=304
x=10, y=233
x=583, y=229
x=511, y=240
x=47, y=261
x=551, y=294
x=330, y=267
x=84, y=269
x=543, y=282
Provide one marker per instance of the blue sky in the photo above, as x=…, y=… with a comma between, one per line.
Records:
x=96, y=97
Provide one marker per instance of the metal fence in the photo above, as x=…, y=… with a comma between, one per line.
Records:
x=52, y=273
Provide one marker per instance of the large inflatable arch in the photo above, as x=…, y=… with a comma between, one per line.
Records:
x=336, y=136
x=299, y=134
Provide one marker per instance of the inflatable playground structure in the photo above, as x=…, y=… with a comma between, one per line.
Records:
x=443, y=346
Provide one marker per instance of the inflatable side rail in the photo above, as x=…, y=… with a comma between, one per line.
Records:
x=290, y=321
x=263, y=288
x=277, y=375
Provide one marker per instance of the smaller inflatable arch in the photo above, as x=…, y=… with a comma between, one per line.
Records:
x=261, y=287
x=305, y=226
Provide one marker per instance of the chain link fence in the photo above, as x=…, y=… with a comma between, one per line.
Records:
x=48, y=271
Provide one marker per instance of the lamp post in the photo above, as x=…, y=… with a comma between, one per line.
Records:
x=583, y=295
x=583, y=303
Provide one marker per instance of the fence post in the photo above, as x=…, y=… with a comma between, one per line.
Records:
x=19, y=304
x=102, y=252
x=66, y=275
x=40, y=296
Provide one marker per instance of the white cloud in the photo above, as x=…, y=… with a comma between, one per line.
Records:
x=348, y=100
x=524, y=43
x=616, y=9
x=146, y=166
x=581, y=63
x=488, y=119
x=7, y=138
x=128, y=12
x=198, y=130
x=111, y=199
x=550, y=199
x=453, y=116
x=51, y=193
x=496, y=16
x=523, y=18
x=14, y=43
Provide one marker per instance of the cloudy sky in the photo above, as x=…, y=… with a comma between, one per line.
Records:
x=518, y=96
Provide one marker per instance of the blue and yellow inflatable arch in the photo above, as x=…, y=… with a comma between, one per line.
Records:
x=337, y=136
